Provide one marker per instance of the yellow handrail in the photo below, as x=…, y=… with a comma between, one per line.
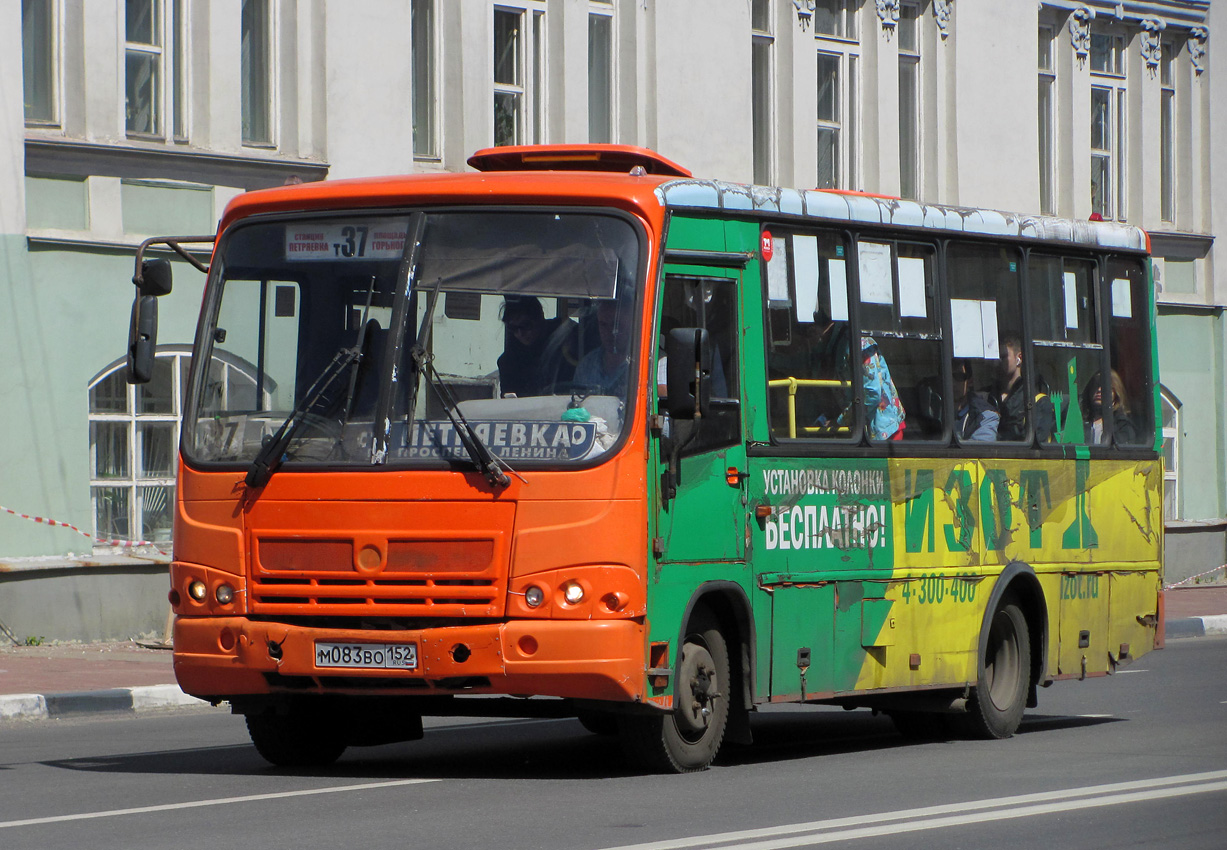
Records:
x=793, y=385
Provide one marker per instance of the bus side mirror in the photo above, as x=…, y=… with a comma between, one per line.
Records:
x=154, y=278
x=152, y=281
x=688, y=373
x=142, y=339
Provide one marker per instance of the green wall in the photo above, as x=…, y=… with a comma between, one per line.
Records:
x=63, y=319
x=1192, y=347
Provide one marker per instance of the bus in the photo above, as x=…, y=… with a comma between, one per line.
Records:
x=577, y=433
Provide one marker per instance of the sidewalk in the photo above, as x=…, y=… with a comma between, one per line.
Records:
x=72, y=679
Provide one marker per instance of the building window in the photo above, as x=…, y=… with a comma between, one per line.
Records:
x=1167, y=133
x=1108, y=111
x=1047, y=120
x=134, y=441
x=836, y=71
x=39, y=62
x=909, y=101
x=1171, y=453
x=257, y=72
x=423, y=86
x=600, y=72
x=519, y=73
x=829, y=123
x=143, y=67
x=835, y=18
x=762, y=88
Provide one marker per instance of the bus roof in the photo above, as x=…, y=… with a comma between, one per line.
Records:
x=601, y=174
x=874, y=209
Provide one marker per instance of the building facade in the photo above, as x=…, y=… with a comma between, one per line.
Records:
x=124, y=120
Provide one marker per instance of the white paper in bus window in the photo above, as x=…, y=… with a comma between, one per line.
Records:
x=1071, y=300
x=967, y=327
x=777, y=271
x=876, y=284
x=912, y=287
x=988, y=329
x=805, y=269
x=1122, y=298
x=838, y=273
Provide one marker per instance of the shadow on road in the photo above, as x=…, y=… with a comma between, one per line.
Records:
x=551, y=749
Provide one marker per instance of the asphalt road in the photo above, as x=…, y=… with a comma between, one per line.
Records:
x=1136, y=760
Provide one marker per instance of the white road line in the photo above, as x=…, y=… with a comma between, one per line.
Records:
x=929, y=817
x=221, y=801
x=1127, y=672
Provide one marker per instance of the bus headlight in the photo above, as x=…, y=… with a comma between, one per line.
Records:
x=224, y=594
x=573, y=592
x=197, y=590
x=534, y=596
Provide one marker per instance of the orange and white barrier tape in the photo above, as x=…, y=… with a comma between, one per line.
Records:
x=126, y=544
x=1194, y=578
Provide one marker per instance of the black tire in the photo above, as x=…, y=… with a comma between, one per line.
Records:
x=598, y=722
x=921, y=725
x=995, y=707
x=301, y=737
x=687, y=739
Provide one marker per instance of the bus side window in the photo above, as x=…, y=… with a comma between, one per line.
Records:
x=809, y=354
x=1067, y=351
x=900, y=341
x=1132, y=415
x=693, y=301
x=985, y=311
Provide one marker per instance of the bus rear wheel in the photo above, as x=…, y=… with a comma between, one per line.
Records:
x=688, y=738
x=995, y=707
x=299, y=736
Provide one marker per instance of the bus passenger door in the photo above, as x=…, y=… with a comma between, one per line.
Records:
x=700, y=509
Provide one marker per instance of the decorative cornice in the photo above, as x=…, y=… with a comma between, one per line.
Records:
x=1198, y=36
x=888, y=14
x=1080, y=32
x=1152, y=42
x=942, y=10
x=805, y=12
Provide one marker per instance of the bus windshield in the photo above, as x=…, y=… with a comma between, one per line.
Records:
x=344, y=340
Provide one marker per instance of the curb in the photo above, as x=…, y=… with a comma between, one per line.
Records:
x=110, y=701
x=1188, y=627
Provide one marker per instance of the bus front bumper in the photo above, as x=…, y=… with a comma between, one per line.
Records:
x=219, y=657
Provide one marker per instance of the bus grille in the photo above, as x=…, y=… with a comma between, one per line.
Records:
x=433, y=578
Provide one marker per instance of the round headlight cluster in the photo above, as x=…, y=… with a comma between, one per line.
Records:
x=573, y=592
x=534, y=596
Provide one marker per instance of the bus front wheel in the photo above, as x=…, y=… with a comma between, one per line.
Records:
x=298, y=736
x=688, y=738
x=995, y=707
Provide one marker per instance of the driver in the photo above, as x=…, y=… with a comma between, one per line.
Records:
x=603, y=370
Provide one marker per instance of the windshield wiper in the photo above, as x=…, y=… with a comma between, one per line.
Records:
x=485, y=461
x=272, y=453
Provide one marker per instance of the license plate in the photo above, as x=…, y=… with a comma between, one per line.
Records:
x=367, y=656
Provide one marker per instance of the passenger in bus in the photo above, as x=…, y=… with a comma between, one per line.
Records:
x=603, y=370
x=1011, y=398
x=883, y=411
x=975, y=418
x=538, y=352
x=1092, y=402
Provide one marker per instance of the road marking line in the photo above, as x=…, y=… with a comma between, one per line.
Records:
x=1127, y=672
x=221, y=801
x=1094, y=716
x=928, y=817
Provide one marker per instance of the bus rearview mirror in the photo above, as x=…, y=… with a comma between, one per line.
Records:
x=688, y=373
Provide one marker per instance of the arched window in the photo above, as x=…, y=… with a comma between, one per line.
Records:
x=1171, y=453
x=134, y=445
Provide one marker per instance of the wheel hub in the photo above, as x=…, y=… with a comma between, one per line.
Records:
x=699, y=689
